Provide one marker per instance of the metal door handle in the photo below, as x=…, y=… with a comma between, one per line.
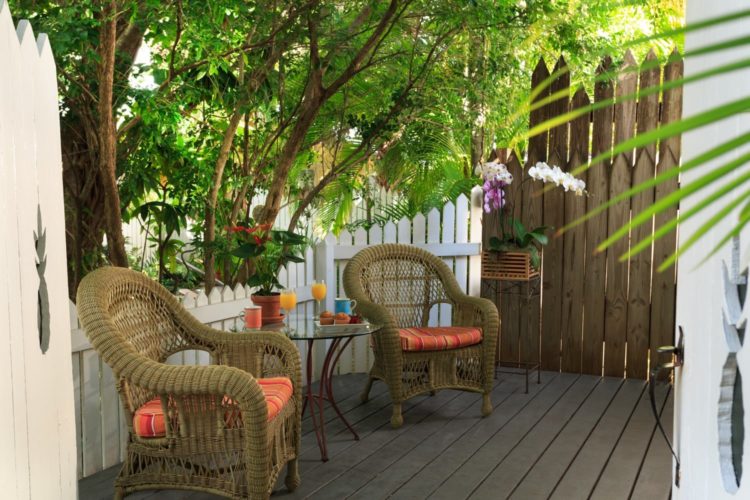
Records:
x=676, y=351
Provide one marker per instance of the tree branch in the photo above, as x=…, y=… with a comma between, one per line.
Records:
x=351, y=159
x=374, y=41
x=177, y=36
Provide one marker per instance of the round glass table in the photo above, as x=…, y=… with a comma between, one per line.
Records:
x=306, y=328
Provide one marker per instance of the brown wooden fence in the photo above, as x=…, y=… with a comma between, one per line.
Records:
x=596, y=315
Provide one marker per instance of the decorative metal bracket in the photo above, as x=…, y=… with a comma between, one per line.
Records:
x=678, y=358
x=677, y=352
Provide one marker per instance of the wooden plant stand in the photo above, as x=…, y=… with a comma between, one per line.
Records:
x=509, y=266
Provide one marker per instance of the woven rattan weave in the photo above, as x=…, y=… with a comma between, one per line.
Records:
x=396, y=286
x=218, y=437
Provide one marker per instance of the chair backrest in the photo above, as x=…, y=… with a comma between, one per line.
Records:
x=129, y=317
x=141, y=311
x=407, y=280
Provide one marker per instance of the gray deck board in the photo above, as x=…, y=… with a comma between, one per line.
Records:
x=345, y=461
x=543, y=475
x=624, y=464
x=347, y=389
x=658, y=463
x=474, y=471
x=428, y=441
x=392, y=480
x=571, y=437
x=347, y=483
x=584, y=471
x=519, y=461
x=421, y=484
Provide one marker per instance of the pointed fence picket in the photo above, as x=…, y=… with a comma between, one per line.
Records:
x=602, y=315
x=453, y=233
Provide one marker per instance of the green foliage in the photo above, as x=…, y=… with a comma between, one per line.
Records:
x=441, y=90
x=518, y=238
x=264, y=251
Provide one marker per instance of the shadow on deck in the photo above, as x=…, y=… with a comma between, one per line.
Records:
x=571, y=437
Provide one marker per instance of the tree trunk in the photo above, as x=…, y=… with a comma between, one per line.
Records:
x=286, y=159
x=209, y=259
x=108, y=136
x=477, y=146
x=476, y=100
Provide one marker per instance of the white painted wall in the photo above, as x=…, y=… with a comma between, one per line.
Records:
x=37, y=443
x=699, y=288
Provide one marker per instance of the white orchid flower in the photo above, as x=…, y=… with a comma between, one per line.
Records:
x=579, y=187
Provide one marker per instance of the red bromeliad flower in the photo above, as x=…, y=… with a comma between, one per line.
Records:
x=260, y=232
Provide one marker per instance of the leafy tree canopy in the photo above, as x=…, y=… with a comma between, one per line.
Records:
x=311, y=101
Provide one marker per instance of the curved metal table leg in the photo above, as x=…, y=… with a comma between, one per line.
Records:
x=325, y=391
x=310, y=398
x=329, y=386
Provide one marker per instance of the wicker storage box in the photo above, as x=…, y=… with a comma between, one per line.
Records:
x=507, y=266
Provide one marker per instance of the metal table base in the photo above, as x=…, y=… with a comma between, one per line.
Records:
x=325, y=391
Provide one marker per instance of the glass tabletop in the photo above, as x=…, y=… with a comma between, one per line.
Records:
x=300, y=327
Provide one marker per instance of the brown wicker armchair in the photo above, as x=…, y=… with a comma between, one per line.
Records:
x=396, y=286
x=219, y=433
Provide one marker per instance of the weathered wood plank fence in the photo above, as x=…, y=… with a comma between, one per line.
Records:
x=596, y=314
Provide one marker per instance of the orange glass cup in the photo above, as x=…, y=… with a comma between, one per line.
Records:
x=252, y=317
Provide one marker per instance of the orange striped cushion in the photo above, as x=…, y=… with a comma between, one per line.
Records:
x=277, y=391
x=148, y=420
x=439, y=338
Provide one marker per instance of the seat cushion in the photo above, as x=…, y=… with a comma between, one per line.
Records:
x=439, y=338
x=148, y=420
x=278, y=391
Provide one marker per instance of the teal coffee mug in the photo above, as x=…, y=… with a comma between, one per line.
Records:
x=344, y=306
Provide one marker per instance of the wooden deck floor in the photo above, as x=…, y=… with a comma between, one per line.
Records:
x=571, y=437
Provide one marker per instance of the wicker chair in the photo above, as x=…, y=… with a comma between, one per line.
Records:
x=218, y=434
x=396, y=286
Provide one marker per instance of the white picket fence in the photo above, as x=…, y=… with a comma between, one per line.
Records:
x=136, y=237
x=454, y=234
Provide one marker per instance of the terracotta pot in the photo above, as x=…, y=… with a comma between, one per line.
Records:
x=269, y=306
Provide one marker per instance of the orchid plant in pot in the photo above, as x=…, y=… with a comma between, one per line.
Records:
x=263, y=251
x=514, y=238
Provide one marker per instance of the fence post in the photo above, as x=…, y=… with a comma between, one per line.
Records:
x=324, y=267
x=324, y=270
x=475, y=236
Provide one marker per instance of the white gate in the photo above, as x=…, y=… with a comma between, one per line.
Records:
x=37, y=442
x=709, y=414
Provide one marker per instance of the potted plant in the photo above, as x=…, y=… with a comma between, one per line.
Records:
x=516, y=253
x=518, y=249
x=263, y=251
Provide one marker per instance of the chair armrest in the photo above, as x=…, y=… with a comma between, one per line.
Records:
x=213, y=382
x=265, y=354
x=374, y=313
x=261, y=353
x=476, y=311
x=386, y=338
